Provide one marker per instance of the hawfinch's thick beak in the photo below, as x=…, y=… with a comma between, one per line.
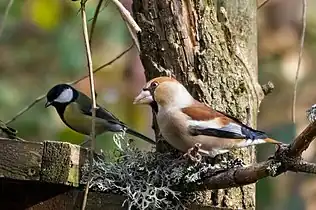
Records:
x=144, y=97
x=47, y=104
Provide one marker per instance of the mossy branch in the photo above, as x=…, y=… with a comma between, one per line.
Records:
x=166, y=180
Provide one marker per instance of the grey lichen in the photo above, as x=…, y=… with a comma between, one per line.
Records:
x=274, y=168
x=145, y=179
x=311, y=113
x=149, y=180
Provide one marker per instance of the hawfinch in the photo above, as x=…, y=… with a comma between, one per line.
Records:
x=187, y=124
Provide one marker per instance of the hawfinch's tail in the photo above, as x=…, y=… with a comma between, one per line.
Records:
x=272, y=141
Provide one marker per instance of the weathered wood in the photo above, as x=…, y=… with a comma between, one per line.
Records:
x=52, y=162
x=61, y=163
x=46, y=175
x=31, y=195
x=20, y=160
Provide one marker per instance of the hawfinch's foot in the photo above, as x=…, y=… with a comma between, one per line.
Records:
x=238, y=163
x=193, y=153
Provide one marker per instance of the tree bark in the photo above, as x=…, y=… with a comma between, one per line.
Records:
x=211, y=47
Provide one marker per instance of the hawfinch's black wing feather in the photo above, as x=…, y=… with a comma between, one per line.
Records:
x=207, y=121
x=196, y=130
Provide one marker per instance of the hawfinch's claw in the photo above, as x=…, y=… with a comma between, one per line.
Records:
x=193, y=153
x=238, y=163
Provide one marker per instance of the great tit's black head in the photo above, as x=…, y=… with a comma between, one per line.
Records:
x=61, y=94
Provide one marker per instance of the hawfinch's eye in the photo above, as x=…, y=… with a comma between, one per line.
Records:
x=154, y=84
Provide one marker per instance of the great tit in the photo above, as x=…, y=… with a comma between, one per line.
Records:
x=74, y=109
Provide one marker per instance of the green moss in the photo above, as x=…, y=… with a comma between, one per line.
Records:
x=55, y=163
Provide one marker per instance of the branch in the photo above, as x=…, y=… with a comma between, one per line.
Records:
x=94, y=21
x=131, y=24
x=301, y=143
x=286, y=158
x=134, y=37
x=304, y=167
x=94, y=104
x=6, y=13
x=126, y=15
x=251, y=174
x=304, y=5
x=267, y=88
x=262, y=4
x=236, y=177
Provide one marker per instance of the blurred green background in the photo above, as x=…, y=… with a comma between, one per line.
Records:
x=42, y=45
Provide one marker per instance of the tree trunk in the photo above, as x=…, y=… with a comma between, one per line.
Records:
x=211, y=47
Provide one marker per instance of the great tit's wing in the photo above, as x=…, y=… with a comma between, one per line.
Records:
x=86, y=107
x=102, y=113
x=107, y=115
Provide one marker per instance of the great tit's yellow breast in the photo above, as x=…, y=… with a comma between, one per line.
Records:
x=80, y=122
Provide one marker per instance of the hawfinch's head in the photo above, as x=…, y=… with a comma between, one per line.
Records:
x=166, y=92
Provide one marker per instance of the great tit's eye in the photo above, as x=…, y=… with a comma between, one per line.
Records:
x=154, y=84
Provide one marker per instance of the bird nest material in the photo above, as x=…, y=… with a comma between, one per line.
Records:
x=148, y=180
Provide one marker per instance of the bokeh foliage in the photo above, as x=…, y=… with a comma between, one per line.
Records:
x=42, y=45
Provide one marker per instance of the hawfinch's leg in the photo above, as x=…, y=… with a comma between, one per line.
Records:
x=193, y=153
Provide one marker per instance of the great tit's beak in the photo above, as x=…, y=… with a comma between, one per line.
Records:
x=144, y=97
x=47, y=104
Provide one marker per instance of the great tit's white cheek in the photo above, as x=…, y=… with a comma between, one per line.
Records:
x=65, y=96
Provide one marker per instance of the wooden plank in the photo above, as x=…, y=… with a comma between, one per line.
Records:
x=50, y=161
x=62, y=163
x=20, y=160
x=38, y=176
x=72, y=199
x=56, y=162
x=34, y=195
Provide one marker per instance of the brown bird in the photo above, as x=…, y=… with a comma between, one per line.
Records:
x=188, y=124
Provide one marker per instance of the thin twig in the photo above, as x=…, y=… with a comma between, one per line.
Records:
x=94, y=21
x=134, y=36
x=94, y=104
x=40, y=98
x=131, y=24
x=106, y=3
x=15, y=138
x=127, y=16
x=6, y=13
x=304, y=4
x=262, y=4
x=25, y=109
x=104, y=65
x=12, y=139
